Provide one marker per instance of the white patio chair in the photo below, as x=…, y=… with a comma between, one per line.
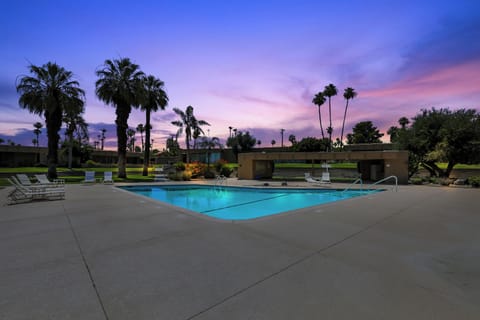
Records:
x=108, y=177
x=89, y=177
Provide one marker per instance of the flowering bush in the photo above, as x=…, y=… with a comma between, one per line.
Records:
x=196, y=169
x=220, y=164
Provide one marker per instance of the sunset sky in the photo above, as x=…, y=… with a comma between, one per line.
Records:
x=252, y=65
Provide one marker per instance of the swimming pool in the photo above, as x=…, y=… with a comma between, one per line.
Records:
x=241, y=203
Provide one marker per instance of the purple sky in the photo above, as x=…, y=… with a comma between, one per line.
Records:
x=252, y=65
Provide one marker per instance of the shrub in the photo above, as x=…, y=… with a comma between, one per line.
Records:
x=180, y=166
x=474, y=181
x=220, y=164
x=417, y=181
x=186, y=175
x=226, y=171
x=209, y=174
x=92, y=164
x=196, y=169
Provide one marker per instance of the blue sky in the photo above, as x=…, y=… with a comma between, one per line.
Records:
x=252, y=65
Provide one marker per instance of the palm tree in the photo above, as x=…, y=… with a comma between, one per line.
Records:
x=348, y=94
x=273, y=142
x=154, y=97
x=131, y=139
x=37, y=131
x=319, y=100
x=403, y=121
x=141, y=130
x=329, y=92
x=102, y=139
x=119, y=84
x=74, y=123
x=292, y=139
x=209, y=144
x=189, y=124
x=49, y=92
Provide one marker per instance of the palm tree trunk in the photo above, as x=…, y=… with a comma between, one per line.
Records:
x=122, y=126
x=146, y=154
x=53, y=123
x=70, y=151
x=343, y=124
x=320, y=119
x=330, y=127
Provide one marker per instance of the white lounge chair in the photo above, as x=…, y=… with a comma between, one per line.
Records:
x=24, y=179
x=23, y=193
x=107, y=177
x=325, y=177
x=42, y=179
x=89, y=177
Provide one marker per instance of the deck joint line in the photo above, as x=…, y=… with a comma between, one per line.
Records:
x=85, y=263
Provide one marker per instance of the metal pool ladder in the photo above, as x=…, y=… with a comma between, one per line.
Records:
x=385, y=179
x=359, y=180
x=220, y=180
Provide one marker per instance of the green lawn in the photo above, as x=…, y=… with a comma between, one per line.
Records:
x=76, y=175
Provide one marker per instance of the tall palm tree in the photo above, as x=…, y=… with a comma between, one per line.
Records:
x=102, y=139
x=319, y=100
x=49, y=92
x=209, y=144
x=74, y=123
x=154, y=98
x=141, y=130
x=403, y=121
x=37, y=131
x=189, y=124
x=329, y=92
x=120, y=85
x=131, y=141
x=348, y=94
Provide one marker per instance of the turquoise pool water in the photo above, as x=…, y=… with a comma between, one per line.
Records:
x=241, y=203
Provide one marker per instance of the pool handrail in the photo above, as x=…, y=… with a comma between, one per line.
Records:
x=385, y=179
x=353, y=183
x=220, y=180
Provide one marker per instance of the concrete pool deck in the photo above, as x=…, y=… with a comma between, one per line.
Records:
x=104, y=253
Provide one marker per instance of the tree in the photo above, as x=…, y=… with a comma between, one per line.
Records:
x=154, y=98
x=319, y=100
x=131, y=139
x=189, y=124
x=120, y=85
x=74, y=123
x=49, y=92
x=37, y=132
x=141, y=130
x=310, y=144
x=209, y=144
x=102, y=138
x=403, y=121
x=364, y=132
x=292, y=139
x=348, y=94
x=441, y=135
x=241, y=142
x=273, y=142
x=172, y=146
x=329, y=92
